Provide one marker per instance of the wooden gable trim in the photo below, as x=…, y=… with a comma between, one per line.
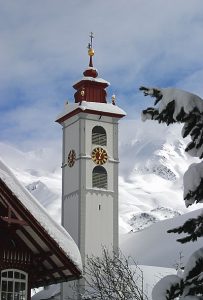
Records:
x=43, y=254
x=28, y=217
x=8, y=218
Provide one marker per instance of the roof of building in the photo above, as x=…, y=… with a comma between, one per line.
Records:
x=89, y=78
x=47, y=293
x=48, y=242
x=91, y=107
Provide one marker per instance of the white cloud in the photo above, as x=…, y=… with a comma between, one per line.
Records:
x=43, y=51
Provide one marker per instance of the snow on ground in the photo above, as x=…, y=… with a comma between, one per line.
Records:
x=151, y=275
x=162, y=286
x=153, y=246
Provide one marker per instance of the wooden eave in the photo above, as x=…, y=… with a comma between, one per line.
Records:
x=50, y=263
x=88, y=111
x=88, y=82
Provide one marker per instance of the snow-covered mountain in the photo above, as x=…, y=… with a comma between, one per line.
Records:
x=40, y=171
x=152, y=163
x=41, y=192
x=154, y=246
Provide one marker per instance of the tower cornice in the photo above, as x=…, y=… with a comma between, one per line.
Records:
x=102, y=109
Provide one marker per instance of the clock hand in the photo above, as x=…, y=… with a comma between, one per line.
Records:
x=100, y=154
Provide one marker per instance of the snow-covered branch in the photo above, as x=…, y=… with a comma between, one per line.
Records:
x=193, y=184
x=186, y=286
x=173, y=105
x=184, y=102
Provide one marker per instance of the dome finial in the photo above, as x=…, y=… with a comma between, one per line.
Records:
x=90, y=49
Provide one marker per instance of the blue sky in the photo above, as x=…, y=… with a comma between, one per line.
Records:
x=43, y=51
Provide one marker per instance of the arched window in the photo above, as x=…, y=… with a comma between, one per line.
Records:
x=99, y=136
x=13, y=285
x=99, y=177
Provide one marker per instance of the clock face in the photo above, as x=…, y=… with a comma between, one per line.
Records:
x=71, y=158
x=99, y=155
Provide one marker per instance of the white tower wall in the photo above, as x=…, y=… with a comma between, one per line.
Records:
x=90, y=214
x=99, y=225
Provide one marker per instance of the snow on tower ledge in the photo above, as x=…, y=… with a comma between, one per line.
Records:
x=105, y=109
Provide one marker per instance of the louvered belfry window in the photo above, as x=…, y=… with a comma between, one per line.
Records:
x=99, y=177
x=99, y=136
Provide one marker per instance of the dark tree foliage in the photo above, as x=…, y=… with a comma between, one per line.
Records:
x=175, y=291
x=196, y=194
x=193, y=227
x=192, y=282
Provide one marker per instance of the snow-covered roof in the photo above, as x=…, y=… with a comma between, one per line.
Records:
x=97, y=79
x=54, y=230
x=47, y=293
x=93, y=106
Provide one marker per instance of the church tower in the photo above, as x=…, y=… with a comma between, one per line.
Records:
x=90, y=164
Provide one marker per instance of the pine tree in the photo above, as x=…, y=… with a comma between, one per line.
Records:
x=176, y=106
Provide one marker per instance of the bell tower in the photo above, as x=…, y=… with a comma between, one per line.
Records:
x=90, y=165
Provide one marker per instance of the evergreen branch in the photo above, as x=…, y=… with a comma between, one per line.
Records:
x=194, y=228
x=197, y=194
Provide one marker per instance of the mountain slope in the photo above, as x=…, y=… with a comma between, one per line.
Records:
x=153, y=162
x=155, y=247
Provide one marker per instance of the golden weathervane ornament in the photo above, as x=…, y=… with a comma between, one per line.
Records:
x=90, y=49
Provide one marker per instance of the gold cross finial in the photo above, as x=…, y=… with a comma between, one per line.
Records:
x=90, y=49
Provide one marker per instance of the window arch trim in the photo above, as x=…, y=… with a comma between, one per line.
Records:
x=99, y=177
x=99, y=136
